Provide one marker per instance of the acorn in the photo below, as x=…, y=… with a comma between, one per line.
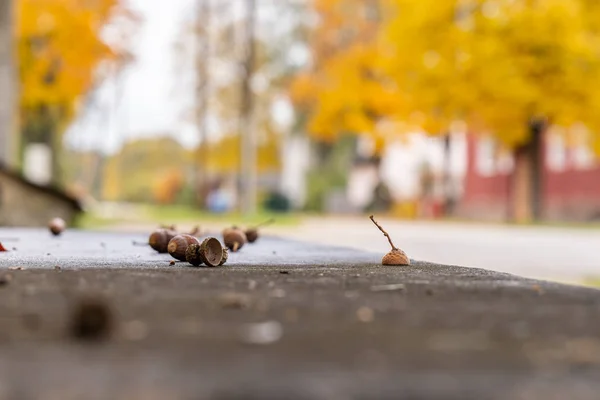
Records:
x=252, y=233
x=234, y=238
x=57, y=226
x=179, y=244
x=209, y=252
x=395, y=256
x=159, y=239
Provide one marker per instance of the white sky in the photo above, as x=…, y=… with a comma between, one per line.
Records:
x=147, y=101
x=154, y=94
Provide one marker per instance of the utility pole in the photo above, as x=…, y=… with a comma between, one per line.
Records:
x=7, y=86
x=202, y=87
x=248, y=174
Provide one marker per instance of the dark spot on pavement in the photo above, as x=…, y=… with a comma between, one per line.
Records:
x=91, y=320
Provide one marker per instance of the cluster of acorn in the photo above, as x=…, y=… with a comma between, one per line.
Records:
x=210, y=251
x=187, y=247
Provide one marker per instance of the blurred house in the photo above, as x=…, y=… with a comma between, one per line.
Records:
x=24, y=203
x=569, y=185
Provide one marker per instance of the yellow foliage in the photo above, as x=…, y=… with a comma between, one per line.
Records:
x=59, y=48
x=167, y=186
x=494, y=64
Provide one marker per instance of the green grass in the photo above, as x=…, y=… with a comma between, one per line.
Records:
x=175, y=214
x=592, y=281
x=181, y=214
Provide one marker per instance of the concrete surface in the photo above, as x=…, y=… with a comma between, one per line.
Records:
x=557, y=253
x=285, y=320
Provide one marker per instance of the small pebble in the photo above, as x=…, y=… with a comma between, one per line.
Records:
x=172, y=263
x=234, y=300
x=284, y=272
x=365, y=314
x=57, y=268
x=262, y=333
x=279, y=293
x=388, y=288
x=135, y=330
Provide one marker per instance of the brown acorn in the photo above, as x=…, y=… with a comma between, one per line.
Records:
x=234, y=238
x=159, y=239
x=395, y=256
x=209, y=252
x=179, y=244
x=252, y=233
x=57, y=226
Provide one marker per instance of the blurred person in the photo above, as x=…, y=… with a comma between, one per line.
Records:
x=218, y=199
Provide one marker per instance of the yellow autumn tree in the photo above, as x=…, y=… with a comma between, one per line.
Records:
x=343, y=91
x=508, y=67
x=60, y=49
x=521, y=66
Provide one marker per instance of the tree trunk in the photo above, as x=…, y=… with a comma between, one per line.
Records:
x=200, y=176
x=447, y=186
x=248, y=153
x=7, y=87
x=526, y=186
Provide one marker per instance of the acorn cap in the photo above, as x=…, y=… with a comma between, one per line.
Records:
x=211, y=252
x=179, y=244
x=225, y=256
x=234, y=239
x=395, y=257
x=192, y=254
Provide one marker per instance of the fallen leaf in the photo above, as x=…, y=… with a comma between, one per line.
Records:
x=2, y=248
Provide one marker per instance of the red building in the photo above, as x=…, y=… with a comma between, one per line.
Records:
x=569, y=183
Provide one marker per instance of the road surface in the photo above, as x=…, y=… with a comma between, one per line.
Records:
x=282, y=319
x=564, y=254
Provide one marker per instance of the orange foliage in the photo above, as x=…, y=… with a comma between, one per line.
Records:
x=167, y=186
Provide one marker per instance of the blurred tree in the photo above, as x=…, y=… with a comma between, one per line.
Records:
x=220, y=75
x=167, y=186
x=138, y=170
x=508, y=67
x=62, y=54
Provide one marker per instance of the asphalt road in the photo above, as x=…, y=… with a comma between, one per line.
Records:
x=282, y=320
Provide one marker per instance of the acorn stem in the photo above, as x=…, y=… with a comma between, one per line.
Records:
x=384, y=233
x=265, y=223
x=195, y=231
x=236, y=246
